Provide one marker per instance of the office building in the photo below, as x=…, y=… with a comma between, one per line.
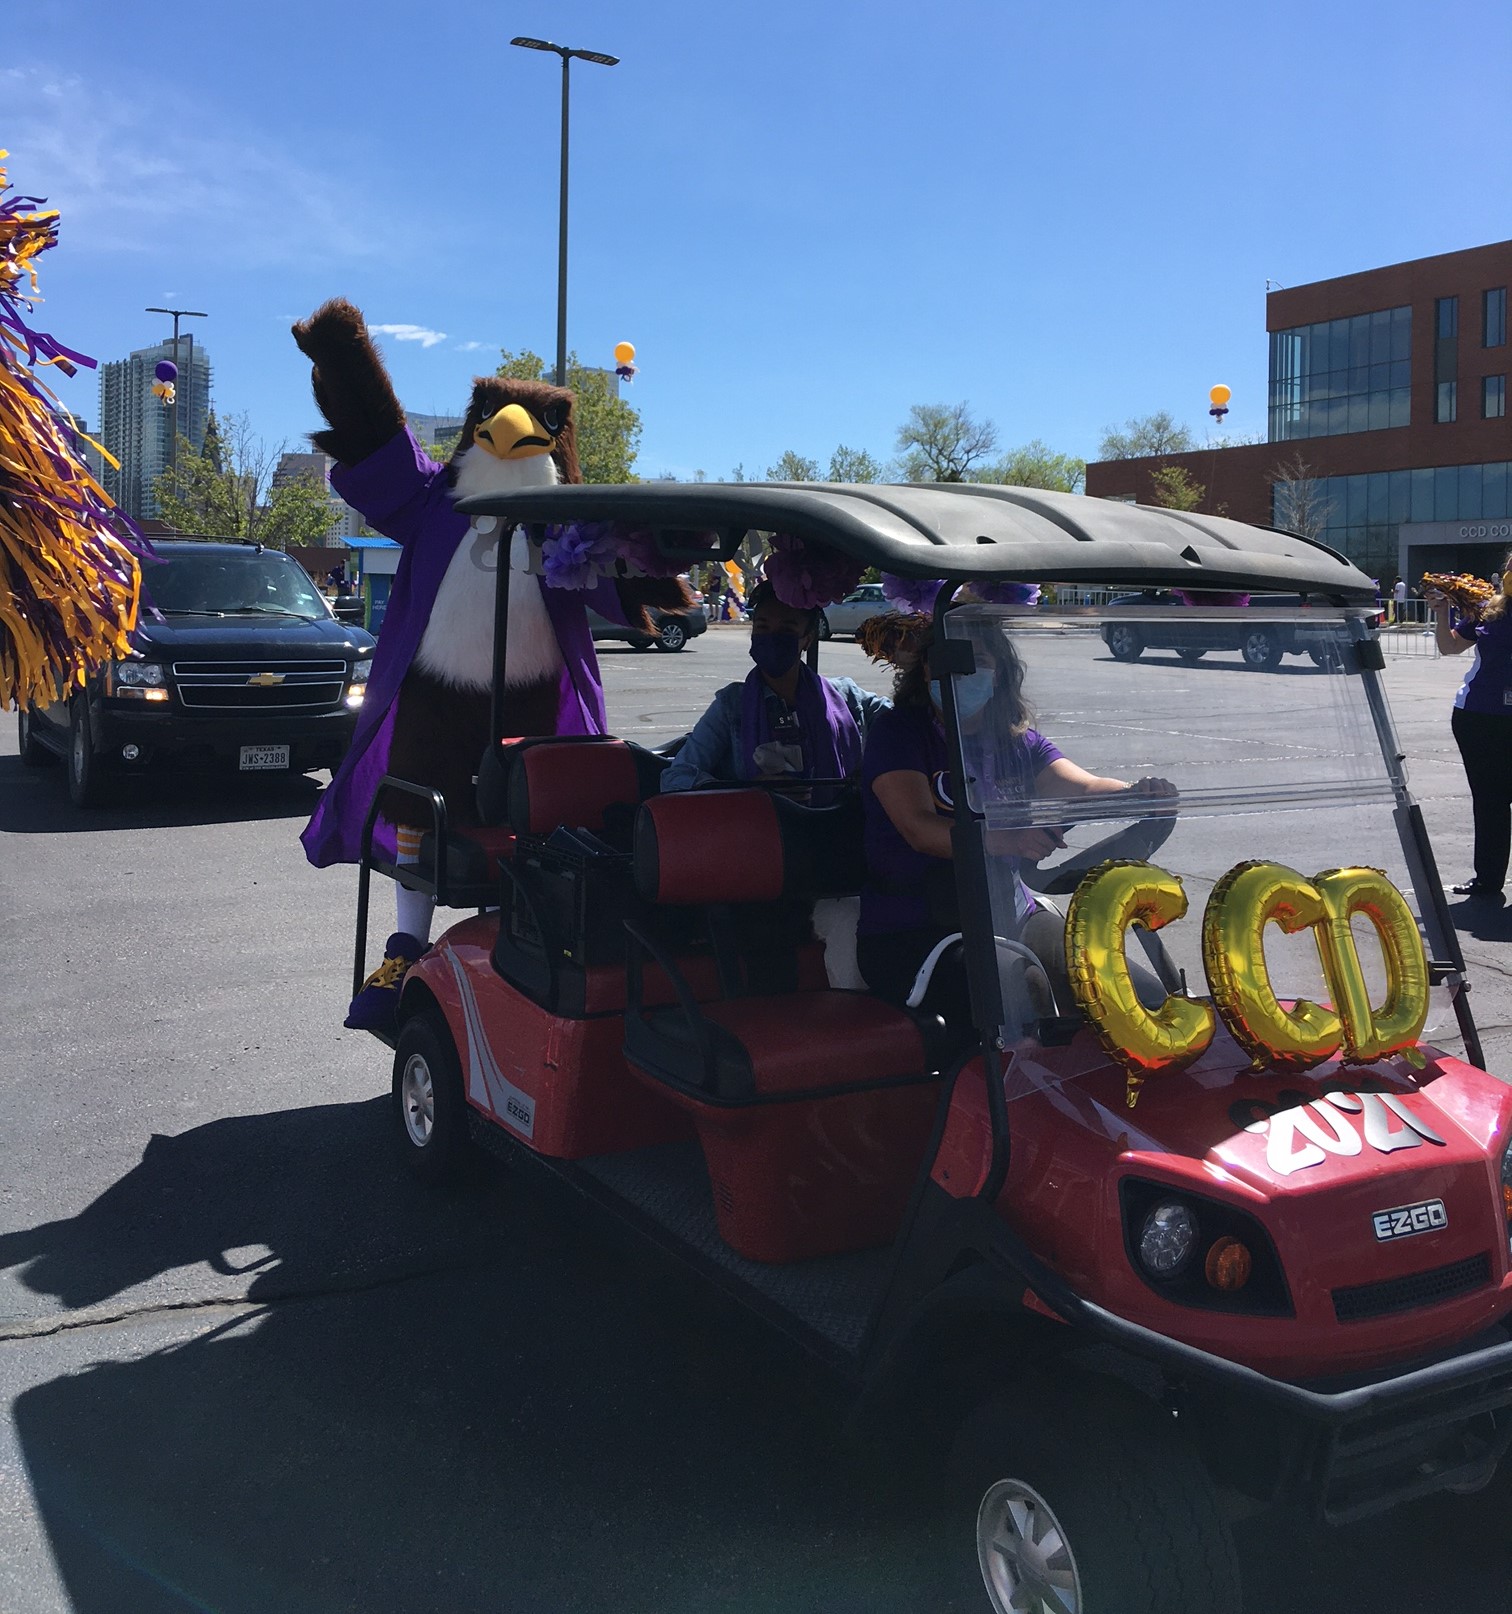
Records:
x=137, y=427
x=315, y=467
x=1387, y=429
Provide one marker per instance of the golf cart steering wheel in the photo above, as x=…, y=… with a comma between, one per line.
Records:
x=1136, y=841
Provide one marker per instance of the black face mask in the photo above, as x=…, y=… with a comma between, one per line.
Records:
x=775, y=653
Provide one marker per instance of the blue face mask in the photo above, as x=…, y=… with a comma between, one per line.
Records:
x=775, y=653
x=971, y=692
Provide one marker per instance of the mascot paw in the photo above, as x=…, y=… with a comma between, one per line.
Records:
x=334, y=325
x=376, y=1006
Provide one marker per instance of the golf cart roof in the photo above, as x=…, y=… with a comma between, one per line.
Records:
x=961, y=532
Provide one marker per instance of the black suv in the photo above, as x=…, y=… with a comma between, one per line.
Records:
x=237, y=662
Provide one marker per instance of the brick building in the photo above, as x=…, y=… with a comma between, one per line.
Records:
x=1387, y=427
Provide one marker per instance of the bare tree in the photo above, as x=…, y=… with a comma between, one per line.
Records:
x=1298, y=501
x=1145, y=436
x=942, y=442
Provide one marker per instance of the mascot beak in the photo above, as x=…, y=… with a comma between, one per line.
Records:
x=513, y=433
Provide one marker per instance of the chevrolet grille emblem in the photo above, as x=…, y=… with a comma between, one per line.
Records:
x=266, y=680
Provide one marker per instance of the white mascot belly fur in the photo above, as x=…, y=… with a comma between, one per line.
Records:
x=457, y=645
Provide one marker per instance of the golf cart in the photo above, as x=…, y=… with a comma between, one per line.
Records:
x=1146, y=1247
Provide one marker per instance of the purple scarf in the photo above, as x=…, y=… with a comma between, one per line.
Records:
x=831, y=740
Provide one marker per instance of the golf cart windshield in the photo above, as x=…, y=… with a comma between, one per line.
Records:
x=1282, y=765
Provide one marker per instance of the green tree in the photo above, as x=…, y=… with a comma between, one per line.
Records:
x=943, y=443
x=793, y=467
x=608, y=428
x=1036, y=465
x=1144, y=436
x=225, y=490
x=1175, y=490
x=854, y=465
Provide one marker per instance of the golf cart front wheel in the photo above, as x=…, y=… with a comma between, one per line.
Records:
x=1079, y=1498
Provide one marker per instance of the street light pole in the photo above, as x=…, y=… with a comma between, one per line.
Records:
x=178, y=314
x=566, y=52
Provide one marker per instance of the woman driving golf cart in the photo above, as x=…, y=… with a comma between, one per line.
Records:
x=908, y=941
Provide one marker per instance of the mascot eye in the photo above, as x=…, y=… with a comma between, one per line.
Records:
x=553, y=418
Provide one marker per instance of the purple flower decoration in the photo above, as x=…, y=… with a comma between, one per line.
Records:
x=1007, y=593
x=641, y=556
x=806, y=575
x=911, y=594
x=1208, y=596
x=575, y=557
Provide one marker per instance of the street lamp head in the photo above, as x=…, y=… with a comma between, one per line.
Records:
x=595, y=56
x=534, y=44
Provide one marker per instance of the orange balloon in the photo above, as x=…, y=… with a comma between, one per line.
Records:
x=1220, y=395
x=624, y=353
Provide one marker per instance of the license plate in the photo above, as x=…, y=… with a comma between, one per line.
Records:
x=1426, y=1217
x=255, y=758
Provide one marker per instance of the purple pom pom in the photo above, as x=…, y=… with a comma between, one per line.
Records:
x=806, y=575
x=1208, y=596
x=166, y=370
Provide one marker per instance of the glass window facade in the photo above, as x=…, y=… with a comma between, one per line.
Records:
x=1446, y=402
x=1446, y=314
x=1493, y=397
x=1494, y=317
x=1360, y=514
x=1342, y=375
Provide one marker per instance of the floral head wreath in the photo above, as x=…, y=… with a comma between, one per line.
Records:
x=902, y=635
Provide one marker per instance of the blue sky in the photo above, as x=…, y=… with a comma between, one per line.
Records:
x=806, y=216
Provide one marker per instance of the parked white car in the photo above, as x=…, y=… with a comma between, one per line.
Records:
x=846, y=615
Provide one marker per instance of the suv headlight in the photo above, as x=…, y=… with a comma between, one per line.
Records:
x=358, y=682
x=140, y=674
x=139, y=680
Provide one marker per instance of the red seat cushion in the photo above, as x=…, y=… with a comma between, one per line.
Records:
x=808, y=1040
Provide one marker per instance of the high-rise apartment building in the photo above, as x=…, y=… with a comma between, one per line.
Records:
x=137, y=427
x=1386, y=420
x=315, y=467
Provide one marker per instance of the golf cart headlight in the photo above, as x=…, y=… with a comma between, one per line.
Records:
x=1167, y=1239
x=140, y=675
x=1506, y=1187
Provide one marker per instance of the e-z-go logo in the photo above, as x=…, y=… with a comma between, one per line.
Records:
x=1301, y=1130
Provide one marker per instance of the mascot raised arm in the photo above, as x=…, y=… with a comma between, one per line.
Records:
x=427, y=713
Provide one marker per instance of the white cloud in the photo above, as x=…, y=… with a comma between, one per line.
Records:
x=474, y=347
x=128, y=179
x=411, y=333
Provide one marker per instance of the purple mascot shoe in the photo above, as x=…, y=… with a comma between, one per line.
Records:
x=376, y=1006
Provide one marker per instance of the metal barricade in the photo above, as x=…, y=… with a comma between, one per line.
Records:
x=1407, y=629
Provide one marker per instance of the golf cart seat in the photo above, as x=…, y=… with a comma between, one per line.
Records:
x=813, y=1107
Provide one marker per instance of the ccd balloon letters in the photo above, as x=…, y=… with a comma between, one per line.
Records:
x=1243, y=903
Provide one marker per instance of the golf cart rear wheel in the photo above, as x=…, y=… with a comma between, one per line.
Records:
x=428, y=1104
x=673, y=636
x=1126, y=642
x=1076, y=1496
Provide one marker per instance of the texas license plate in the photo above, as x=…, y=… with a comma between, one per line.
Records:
x=256, y=758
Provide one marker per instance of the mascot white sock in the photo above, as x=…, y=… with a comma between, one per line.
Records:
x=416, y=908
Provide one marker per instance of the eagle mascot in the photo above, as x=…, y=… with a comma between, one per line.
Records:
x=426, y=716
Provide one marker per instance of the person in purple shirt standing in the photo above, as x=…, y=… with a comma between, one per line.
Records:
x=906, y=801
x=1482, y=727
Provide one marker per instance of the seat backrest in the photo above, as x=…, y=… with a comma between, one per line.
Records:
x=536, y=785
x=745, y=846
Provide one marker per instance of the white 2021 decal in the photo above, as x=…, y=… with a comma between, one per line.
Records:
x=1308, y=1130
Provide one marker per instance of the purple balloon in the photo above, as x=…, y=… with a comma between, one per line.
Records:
x=166, y=370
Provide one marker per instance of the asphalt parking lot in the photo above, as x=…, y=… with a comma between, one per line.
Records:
x=248, y=1366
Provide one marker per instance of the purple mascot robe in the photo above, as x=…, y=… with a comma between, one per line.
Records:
x=403, y=494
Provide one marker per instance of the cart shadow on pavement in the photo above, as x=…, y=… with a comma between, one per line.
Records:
x=34, y=801
x=486, y=1402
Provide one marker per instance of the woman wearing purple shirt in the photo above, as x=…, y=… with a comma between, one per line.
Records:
x=905, y=794
x=1482, y=726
